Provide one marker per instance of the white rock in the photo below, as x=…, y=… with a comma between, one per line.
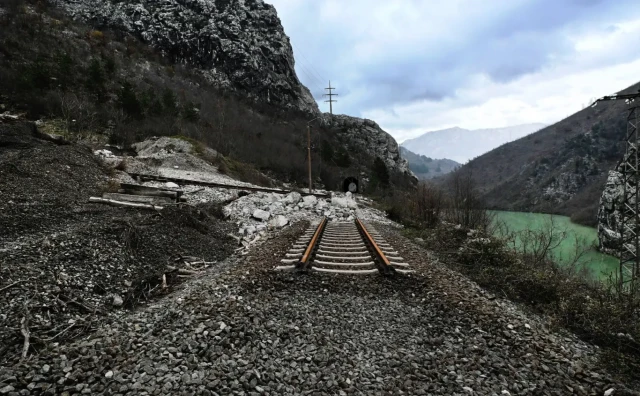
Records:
x=109, y=374
x=310, y=200
x=339, y=202
x=609, y=392
x=292, y=198
x=279, y=221
x=103, y=153
x=348, y=195
x=171, y=185
x=116, y=300
x=261, y=214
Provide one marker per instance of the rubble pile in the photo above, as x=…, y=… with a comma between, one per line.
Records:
x=68, y=266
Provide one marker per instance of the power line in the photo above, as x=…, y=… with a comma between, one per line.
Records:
x=330, y=95
x=317, y=74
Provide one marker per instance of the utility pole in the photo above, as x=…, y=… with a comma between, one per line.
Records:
x=330, y=95
x=309, y=156
x=309, y=152
x=629, y=168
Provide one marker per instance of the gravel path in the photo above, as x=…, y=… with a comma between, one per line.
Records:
x=249, y=330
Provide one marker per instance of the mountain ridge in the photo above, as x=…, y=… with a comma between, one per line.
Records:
x=426, y=168
x=452, y=142
x=560, y=169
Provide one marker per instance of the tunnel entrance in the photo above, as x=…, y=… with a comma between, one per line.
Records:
x=350, y=184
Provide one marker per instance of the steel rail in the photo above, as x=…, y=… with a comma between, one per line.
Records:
x=384, y=264
x=303, y=264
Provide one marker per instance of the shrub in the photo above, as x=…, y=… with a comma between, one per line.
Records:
x=464, y=205
x=380, y=173
x=128, y=101
x=97, y=35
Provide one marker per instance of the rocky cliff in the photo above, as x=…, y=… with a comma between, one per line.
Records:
x=239, y=45
x=609, y=225
x=366, y=135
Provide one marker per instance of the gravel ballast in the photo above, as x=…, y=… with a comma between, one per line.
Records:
x=249, y=330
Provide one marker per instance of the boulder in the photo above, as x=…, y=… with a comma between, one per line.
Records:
x=261, y=215
x=279, y=221
x=339, y=202
x=292, y=198
x=309, y=201
x=171, y=185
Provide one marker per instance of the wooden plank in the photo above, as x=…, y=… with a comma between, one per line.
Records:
x=125, y=204
x=138, y=198
x=218, y=185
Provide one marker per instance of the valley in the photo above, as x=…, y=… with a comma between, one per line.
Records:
x=179, y=216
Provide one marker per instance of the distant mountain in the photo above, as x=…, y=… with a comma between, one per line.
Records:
x=462, y=145
x=427, y=168
x=561, y=169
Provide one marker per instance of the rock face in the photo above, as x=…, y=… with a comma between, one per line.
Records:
x=609, y=225
x=239, y=45
x=368, y=136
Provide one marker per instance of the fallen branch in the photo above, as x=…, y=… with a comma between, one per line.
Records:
x=24, y=329
x=195, y=191
x=164, y=281
x=187, y=272
x=125, y=204
x=11, y=285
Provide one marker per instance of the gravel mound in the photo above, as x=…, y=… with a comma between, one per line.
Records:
x=67, y=266
x=249, y=330
x=40, y=180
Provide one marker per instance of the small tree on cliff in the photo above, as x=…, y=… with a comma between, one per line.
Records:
x=380, y=172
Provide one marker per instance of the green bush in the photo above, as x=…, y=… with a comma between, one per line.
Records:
x=128, y=100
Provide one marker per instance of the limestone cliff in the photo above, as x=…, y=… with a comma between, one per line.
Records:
x=368, y=136
x=609, y=225
x=239, y=45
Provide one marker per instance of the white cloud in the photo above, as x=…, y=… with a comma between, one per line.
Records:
x=414, y=66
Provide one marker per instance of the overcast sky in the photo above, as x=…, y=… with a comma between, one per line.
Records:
x=420, y=65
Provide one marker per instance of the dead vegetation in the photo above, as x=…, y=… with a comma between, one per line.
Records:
x=520, y=266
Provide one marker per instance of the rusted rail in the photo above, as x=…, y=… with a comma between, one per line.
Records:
x=144, y=177
x=303, y=264
x=383, y=262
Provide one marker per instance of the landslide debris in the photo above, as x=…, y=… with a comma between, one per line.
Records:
x=67, y=266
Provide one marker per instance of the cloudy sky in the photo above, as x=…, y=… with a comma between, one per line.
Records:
x=421, y=65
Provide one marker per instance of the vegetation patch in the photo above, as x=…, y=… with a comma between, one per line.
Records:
x=453, y=223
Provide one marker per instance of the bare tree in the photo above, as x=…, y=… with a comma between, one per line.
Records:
x=465, y=206
x=427, y=204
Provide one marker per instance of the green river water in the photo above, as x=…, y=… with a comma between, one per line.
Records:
x=598, y=265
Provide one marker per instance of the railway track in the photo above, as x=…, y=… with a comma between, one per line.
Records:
x=343, y=248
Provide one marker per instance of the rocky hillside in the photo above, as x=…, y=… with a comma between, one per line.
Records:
x=462, y=145
x=425, y=167
x=239, y=45
x=561, y=169
x=220, y=72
